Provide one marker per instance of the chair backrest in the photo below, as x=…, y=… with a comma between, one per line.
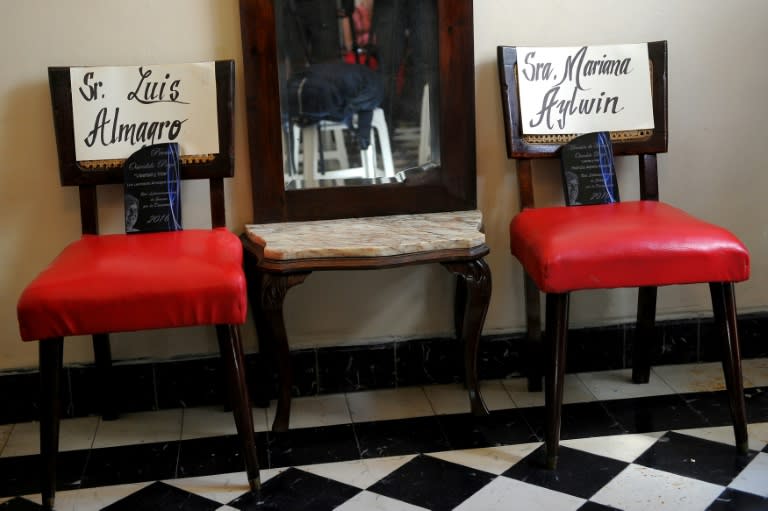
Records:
x=87, y=175
x=644, y=143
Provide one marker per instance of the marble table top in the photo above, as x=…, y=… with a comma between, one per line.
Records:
x=369, y=236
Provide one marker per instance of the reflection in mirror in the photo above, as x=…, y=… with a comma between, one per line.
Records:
x=358, y=91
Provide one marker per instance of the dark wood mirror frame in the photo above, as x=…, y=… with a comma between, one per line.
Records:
x=450, y=187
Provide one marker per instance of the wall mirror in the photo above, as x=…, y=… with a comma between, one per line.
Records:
x=359, y=107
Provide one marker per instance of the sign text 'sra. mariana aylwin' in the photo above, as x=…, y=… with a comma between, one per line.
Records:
x=584, y=89
x=117, y=110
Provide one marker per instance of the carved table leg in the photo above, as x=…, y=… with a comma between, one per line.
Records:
x=262, y=388
x=271, y=327
x=476, y=295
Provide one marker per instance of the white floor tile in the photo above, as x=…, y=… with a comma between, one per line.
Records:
x=574, y=391
x=221, y=487
x=5, y=432
x=140, y=428
x=754, y=478
x=448, y=398
x=503, y=494
x=620, y=447
x=756, y=371
x=454, y=398
x=308, y=412
x=367, y=501
x=618, y=384
x=495, y=395
x=639, y=488
x=388, y=404
x=695, y=377
x=758, y=434
x=74, y=434
x=200, y=422
x=91, y=499
x=359, y=473
x=494, y=460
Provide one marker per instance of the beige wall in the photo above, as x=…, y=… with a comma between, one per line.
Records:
x=709, y=112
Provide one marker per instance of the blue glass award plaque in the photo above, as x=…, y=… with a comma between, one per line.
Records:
x=152, y=186
x=589, y=175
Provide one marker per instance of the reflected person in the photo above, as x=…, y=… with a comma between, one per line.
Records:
x=406, y=38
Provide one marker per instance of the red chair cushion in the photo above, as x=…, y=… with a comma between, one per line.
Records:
x=629, y=244
x=118, y=283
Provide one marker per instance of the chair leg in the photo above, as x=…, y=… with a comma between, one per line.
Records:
x=232, y=354
x=556, y=333
x=533, y=346
x=51, y=353
x=102, y=355
x=644, y=334
x=724, y=308
x=472, y=299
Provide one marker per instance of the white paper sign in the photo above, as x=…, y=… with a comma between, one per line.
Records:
x=117, y=110
x=580, y=90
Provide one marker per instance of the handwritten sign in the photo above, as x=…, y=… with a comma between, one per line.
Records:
x=586, y=89
x=117, y=110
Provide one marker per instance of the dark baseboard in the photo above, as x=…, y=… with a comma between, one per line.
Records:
x=154, y=385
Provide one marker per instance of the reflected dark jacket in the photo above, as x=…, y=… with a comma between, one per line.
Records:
x=336, y=91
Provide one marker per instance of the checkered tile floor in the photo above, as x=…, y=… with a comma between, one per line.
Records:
x=665, y=445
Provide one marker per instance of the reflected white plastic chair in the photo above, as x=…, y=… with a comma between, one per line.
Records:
x=310, y=153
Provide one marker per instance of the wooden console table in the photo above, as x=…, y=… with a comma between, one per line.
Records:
x=281, y=255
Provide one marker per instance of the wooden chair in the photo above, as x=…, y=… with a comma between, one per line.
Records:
x=118, y=283
x=643, y=244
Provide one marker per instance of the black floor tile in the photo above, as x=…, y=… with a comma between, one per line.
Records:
x=734, y=500
x=503, y=427
x=714, y=407
x=217, y=455
x=163, y=496
x=594, y=506
x=131, y=464
x=403, y=436
x=657, y=413
x=312, y=445
x=694, y=457
x=294, y=490
x=578, y=473
x=20, y=475
x=20, y=504
x=432, y=483
x=757, y=404
x=579, y=420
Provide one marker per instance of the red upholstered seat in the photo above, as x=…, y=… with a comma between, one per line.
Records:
x=118, y=283
x=628, y=244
